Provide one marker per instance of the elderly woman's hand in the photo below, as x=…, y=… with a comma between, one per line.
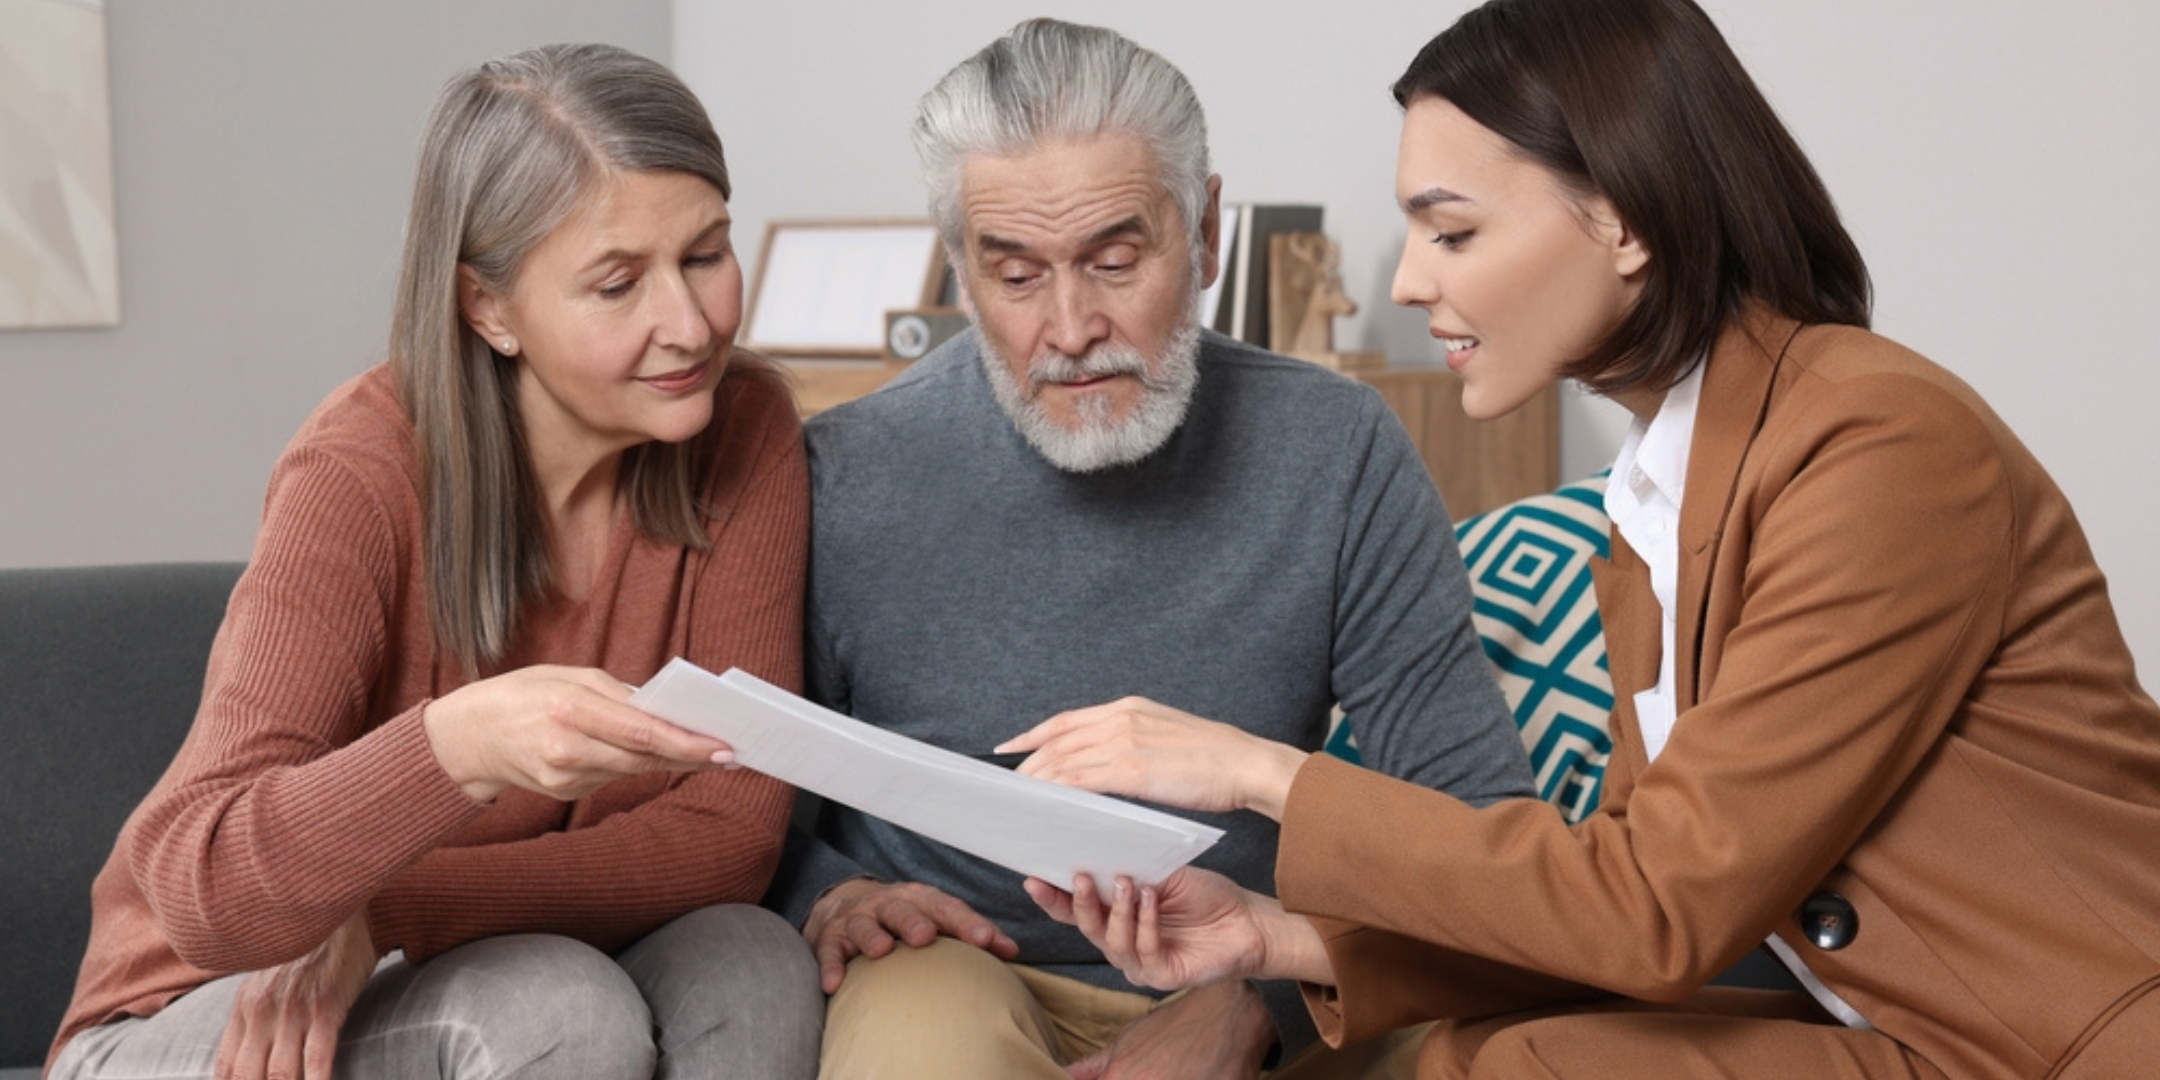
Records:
x=285, y=1020
x=557, y=731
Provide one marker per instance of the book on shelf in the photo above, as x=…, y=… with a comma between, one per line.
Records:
x=1241, y=295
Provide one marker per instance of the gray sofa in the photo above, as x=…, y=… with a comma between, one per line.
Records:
x=101, y=669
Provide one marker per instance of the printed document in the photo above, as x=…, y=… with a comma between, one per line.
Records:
x=1030, y=826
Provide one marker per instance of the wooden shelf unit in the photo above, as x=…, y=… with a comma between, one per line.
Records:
x=1477, y=464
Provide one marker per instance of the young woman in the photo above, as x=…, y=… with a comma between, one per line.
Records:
x=1874, y=706
x=416, y=830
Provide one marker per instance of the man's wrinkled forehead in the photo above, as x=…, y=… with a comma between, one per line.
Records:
x=1073, y=193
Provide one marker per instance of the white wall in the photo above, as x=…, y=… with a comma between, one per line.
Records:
x=1997, y=160
x=263, y=154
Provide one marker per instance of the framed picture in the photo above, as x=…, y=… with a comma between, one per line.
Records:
x=59, y=262
x=823, y=287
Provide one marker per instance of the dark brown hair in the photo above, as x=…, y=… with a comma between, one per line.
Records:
x=1642, y=102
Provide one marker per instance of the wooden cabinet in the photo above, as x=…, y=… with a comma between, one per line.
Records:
x=1477, y=464
x=822, y=384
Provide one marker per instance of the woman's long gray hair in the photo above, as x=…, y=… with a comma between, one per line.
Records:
x=511, y=150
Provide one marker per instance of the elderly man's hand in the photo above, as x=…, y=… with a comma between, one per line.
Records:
x=867, y=918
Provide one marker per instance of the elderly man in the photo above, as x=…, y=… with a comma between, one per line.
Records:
x=1088, y=496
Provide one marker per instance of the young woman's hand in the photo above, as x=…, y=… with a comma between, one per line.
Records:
x=1196, y=927
x=1144, y=750
x=557, y=731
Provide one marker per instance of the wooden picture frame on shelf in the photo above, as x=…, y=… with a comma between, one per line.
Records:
x=822, y=287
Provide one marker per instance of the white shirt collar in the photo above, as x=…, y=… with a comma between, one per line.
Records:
x=1663, y=456
x=1643, y=500
x=1649, y=477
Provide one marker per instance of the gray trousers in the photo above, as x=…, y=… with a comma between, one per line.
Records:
x=727, y=991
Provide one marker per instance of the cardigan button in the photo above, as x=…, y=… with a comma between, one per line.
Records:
x=1829, y=921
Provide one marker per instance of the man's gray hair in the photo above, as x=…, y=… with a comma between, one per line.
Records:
x=1047, y=81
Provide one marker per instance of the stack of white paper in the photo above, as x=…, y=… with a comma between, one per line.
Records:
x=1027, y=825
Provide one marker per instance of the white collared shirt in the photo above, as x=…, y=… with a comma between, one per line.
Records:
x=1643, y=498
x=1649, y=479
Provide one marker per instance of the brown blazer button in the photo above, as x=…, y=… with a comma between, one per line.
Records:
x=1829, y=921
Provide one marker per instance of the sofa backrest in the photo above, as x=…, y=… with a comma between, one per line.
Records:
x=102, y=670
x=1536, y=616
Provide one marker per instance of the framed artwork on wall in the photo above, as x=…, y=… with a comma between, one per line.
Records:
x=59, y=258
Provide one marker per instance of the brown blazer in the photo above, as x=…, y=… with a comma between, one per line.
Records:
x=1900, y=681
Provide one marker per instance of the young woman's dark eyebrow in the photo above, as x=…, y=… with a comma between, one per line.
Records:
x=1430, y=197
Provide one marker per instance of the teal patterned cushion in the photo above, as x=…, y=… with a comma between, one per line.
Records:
x=1529, y=564
x=1536, y=613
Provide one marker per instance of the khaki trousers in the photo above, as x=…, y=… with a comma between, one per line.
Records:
x=952, y=1010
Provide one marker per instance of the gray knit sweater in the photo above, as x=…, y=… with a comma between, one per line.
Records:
x=1284, y=551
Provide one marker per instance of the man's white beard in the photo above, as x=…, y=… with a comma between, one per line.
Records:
x=1099, y=442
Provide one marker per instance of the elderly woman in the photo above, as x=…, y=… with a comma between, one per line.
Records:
x=416, y=829
x=1873, y=703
